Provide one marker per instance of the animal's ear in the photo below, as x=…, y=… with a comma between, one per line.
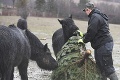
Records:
x=70, y=16
x=46, y=47
x=60, y=21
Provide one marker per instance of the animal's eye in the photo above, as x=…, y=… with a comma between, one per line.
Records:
x=37, y=51
x=48, y=52
x=64, y=24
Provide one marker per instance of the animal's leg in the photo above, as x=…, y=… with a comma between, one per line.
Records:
x=23, y=69
x=0, y=73
x=0, y=76
x=12, y=74
x=6, y=73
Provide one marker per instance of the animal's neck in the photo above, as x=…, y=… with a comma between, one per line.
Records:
x=33, y=39
x=66, y=36
x=35, y=44
x=69, y=33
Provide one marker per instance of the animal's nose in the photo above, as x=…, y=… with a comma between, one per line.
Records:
x=56, y=64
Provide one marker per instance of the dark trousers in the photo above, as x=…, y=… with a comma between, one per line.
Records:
x=103, y=57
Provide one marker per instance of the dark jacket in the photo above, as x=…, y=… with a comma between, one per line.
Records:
x=98, y=29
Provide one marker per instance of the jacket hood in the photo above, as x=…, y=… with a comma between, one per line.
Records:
x=98, y=12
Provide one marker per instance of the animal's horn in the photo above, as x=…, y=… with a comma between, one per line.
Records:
x=46, y=47
x=70, y=16
x=60, y=21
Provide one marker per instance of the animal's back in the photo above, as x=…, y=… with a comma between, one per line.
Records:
x=13, y=45
x=57, y=40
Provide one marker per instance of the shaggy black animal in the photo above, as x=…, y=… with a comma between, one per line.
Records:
x=22, y=24
x=17, y=47
x=61, y=36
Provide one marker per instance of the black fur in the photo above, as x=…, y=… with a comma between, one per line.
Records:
x=22, y=24
x=41, y=53
x=57, y=40
x=61, y=36
x=17, y=47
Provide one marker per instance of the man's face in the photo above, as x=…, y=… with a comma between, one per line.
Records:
x=87, y=11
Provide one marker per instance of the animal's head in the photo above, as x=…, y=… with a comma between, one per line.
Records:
x=41, y=53
x=68, y=26
x=67, y=23
x=22, y=24
x=45, y=60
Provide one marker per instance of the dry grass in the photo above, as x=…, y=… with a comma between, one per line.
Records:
x=49, y=25
x=45, y=27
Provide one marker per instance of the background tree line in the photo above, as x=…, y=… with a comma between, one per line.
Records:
x=63, y=8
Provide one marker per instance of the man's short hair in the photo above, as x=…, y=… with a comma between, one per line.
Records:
x=89, y=5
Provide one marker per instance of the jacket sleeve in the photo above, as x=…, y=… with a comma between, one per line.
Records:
x=92, y=29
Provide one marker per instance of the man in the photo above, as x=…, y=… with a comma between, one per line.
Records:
x=101, y=40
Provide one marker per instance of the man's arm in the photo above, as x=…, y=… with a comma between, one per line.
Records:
x=92, y=29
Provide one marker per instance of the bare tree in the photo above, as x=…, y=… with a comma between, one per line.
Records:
x=13, y=3
x=82, y=3
x=22, y=8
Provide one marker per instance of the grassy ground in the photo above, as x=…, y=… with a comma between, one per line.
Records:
x=49, y=25
x=44, y=28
